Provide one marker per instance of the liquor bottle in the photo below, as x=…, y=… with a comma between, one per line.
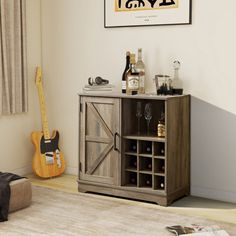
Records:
x=177, y=83
x=140, y=68
x=161, y=131
x=132, y=78
x=126, y=69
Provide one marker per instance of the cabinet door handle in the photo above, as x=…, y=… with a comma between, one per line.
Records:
x=115, y=138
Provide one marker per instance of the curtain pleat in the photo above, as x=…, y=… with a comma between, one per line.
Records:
x=13, y=63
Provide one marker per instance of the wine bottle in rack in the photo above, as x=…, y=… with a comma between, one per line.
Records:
x=148, y=182
x=162, y=185
x=133, y=180
x=149, y=149
x=134, y=147
x=163, y=152
x=149, y=166
x=124, y=73
x=163, y=169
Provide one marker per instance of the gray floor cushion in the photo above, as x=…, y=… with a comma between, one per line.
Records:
x=21, y=194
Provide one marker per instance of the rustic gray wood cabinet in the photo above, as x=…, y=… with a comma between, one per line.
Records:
x=116, y=159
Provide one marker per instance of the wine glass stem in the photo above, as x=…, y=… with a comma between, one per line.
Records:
x=138, y=125
x=148, y=124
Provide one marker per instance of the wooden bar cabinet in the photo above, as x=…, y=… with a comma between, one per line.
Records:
x=119, y=156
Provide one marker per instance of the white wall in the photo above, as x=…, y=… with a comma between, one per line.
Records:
x=77, y=46
x=16, y=150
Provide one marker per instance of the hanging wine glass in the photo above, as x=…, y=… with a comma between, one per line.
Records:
x=139, y=114
x=148, y=115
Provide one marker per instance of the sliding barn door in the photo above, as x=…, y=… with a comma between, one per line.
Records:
x=99, y=139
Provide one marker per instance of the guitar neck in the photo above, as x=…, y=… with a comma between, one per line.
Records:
x=43, y=111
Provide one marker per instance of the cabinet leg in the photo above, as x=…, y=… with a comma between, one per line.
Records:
x=163, y=202
x=81, y=190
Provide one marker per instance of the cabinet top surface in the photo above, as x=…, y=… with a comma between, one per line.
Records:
x=138, y=96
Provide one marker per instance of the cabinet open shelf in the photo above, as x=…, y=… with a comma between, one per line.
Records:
x=145, y=180
x=159, y=174
x=153, y=138
x=131, y=146
x=131, y=153
x=130, y=179
x=159, y=157
x=159, y=166
x=145, y=164
x=148, y=172
x=145, y=155
x=159, y=183
x=131, y=170
x=131, y=163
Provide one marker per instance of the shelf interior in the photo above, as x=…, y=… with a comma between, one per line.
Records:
x=134, y=117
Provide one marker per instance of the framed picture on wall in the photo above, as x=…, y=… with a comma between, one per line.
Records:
x=127, y=13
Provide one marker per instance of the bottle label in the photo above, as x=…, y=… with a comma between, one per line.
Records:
x=161, y=130
x=133, y=82
x=142, y=79
x=124, y=85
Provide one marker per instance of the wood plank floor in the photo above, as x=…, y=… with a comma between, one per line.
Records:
x=192, y=206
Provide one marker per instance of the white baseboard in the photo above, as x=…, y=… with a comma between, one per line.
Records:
x=71, y=170
x=26, y=170
x=23, y=171
x=216, y=194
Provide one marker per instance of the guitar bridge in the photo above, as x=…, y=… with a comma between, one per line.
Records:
x=49, y=158
x=58, y=158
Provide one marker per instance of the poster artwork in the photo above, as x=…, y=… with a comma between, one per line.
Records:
x=135, y=5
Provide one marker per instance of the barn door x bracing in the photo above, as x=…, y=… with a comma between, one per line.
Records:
x=99, y=140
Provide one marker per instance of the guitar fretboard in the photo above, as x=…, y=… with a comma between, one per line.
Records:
x=43, y=111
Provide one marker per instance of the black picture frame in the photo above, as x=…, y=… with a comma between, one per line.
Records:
x=188, y=20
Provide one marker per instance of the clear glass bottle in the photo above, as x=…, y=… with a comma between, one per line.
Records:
x=177, y=83
x=132, y=78
x=140, y=68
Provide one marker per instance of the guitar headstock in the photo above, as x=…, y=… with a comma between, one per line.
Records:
x=38, y=76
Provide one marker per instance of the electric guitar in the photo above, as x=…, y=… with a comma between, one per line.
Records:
x=48, y=160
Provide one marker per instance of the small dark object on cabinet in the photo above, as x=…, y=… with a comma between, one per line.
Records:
x=97, y=81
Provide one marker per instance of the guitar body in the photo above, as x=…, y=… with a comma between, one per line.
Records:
x=48, y=160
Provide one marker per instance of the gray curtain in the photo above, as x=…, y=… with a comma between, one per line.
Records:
x=13, y=64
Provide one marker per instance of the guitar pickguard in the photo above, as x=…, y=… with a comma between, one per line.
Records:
x=49, y=145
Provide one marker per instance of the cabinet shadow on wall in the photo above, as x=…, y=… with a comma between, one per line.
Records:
x=213, y=156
